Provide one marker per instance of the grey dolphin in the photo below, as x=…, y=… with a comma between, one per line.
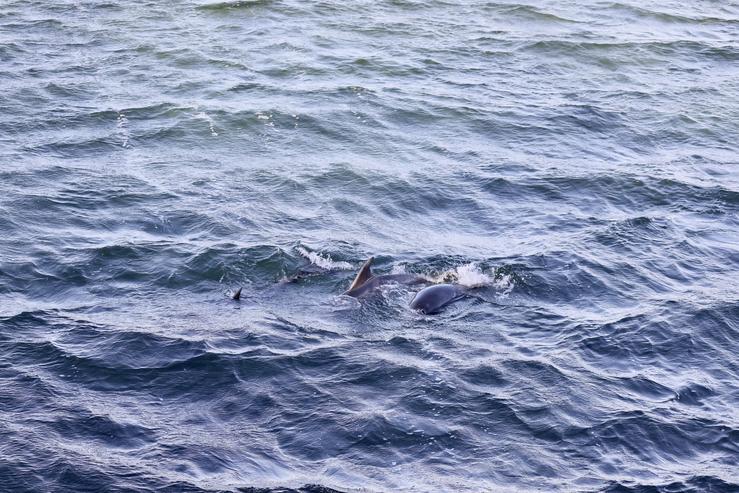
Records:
x=433, y=298
x=366, y=281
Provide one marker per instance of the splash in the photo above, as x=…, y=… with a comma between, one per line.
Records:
x=473, y=276
x=324, y=261
x=503, y=283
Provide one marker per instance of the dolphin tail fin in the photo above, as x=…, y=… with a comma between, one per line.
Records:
x=236, y=295
x=364, y=273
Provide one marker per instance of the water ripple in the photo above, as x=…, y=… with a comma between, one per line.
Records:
x=574, y=167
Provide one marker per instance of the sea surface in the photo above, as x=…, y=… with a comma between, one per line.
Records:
x=575, y=164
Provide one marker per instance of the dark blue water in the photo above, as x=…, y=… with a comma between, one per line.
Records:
x=575, y=163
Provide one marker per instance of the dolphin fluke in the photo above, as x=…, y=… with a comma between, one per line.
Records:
x=236, y=295
x=363, y=275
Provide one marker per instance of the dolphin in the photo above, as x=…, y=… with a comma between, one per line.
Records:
x=366, y=282
x=433, y=298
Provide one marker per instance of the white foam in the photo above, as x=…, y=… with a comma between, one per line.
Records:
x=210, y=121
x=472, y=276
x=122, y=126
x=504, y=284
x=324, y=261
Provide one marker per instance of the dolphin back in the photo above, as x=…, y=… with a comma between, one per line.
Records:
x=376, y=281
x=433, y=298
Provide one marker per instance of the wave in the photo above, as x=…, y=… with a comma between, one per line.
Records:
x=686, y=48
x=672, y=17
x=323, y=260
x=233, y=5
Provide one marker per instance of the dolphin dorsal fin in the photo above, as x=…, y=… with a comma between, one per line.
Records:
x=363, y=275
x=236, y=295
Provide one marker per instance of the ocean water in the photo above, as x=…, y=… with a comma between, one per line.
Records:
x=576, y=164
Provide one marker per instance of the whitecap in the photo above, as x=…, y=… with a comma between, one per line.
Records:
x=324, y=260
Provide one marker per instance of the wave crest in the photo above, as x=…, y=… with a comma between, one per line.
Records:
x=324, y=260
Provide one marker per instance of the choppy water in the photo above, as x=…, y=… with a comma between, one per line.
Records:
x=577, y=159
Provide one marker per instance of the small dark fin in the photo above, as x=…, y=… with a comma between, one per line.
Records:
x=236, y=295
x=363, y=275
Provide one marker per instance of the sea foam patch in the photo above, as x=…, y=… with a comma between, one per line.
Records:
x=472, y=275
x=324, y=260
